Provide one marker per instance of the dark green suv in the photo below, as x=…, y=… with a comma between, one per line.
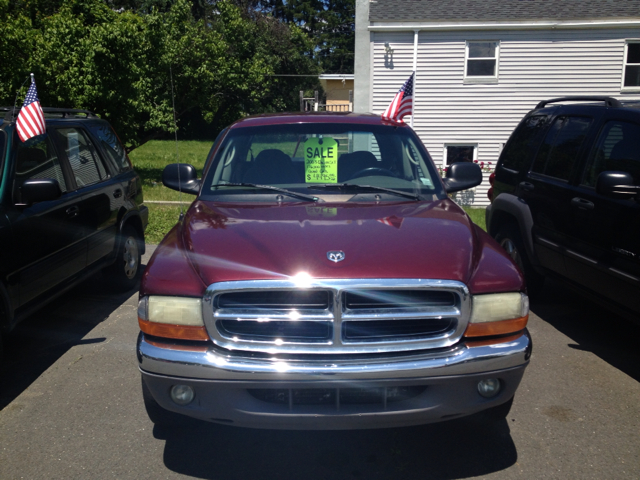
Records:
x=566, y=198
x=70, y=205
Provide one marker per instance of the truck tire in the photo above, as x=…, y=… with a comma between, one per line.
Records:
x=160, y=416
x=125, y=271
x=509, y=238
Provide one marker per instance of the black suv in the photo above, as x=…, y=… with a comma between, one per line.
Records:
x=70, y=205
x=566, y=198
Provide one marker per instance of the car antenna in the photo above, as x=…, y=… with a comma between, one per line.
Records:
x=175, y=129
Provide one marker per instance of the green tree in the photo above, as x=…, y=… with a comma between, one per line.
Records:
x=17, y=45
x=120, y=64
x=331, y=23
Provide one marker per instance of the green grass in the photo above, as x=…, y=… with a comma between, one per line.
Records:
x=161, y=219
x=477, y=216
x=150, y=159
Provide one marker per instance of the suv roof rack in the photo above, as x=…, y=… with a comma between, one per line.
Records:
x=608, y=101
x=12, y=112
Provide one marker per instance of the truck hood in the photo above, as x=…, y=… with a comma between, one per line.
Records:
x=433, y=240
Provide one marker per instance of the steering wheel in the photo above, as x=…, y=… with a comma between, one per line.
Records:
x=373, y=171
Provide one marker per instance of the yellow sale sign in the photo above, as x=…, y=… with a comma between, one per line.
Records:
x=321, y=160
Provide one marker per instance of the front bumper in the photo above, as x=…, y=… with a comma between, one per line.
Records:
x=447, y=380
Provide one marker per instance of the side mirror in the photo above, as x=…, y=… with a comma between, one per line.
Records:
x=461, y=176
x=181, y=177
x=617, y=185
x=36, y=190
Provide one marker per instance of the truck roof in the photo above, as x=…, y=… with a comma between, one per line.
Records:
x=313, y=117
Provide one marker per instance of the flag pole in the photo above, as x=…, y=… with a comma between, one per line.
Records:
x=175, y=128
x=15, y=102
x=413, y=103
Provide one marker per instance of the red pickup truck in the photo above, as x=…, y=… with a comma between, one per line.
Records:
x=323, y=279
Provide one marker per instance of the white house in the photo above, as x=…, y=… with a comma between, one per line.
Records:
x=482, y=64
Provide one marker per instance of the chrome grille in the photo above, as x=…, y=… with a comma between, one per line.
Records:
x=336, y=316
x=275, y=300
x=272, y=330
x=391, y=299
x=380, y=330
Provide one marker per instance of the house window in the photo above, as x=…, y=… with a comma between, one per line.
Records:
x=460, y=153
x=481, y=61
x=631, y=70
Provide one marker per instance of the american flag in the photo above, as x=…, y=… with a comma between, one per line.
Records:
x=392, y=221
x=402, y=103
x=30, y=122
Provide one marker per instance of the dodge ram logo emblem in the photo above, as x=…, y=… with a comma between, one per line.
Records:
x=335, y=255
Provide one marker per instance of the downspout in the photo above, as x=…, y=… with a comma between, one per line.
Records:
x=415, y=71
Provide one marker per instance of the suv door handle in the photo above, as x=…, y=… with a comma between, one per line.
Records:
x=117, y=193
x=72, y=211
x=582, y=204
x=526, y=186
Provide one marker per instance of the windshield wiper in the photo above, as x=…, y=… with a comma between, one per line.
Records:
x=355, y=186
x=269, y=187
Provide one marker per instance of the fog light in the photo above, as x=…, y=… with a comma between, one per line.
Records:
x=489, y=388
x=183, y=394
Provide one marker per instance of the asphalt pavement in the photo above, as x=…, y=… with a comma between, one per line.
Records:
x=71, y=407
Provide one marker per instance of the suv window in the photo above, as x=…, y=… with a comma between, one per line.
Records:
x=111, y=146
x=617, y=149
x=83, y=159
x=519, y=150
x=37, y=160
x=2, y=142
x=560, y=147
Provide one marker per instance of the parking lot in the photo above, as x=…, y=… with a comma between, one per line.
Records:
x=71, y=407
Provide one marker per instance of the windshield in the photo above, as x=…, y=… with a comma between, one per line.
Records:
x=326, y=162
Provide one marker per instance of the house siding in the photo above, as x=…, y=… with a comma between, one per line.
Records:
x=533, y=65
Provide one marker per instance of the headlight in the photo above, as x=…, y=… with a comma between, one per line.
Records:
x=499, y=306
x=173, y=317
x=498, y=314
x=175, y=310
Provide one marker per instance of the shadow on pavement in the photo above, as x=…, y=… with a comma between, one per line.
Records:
x=449, y=450
x=591, y=327
x=40, y=340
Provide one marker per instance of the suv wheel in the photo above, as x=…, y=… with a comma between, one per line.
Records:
x=160, y=416
x=125, y=270
x=509, y=238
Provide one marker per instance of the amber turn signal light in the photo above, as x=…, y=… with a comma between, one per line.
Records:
x=502, y=327
x=179, y=332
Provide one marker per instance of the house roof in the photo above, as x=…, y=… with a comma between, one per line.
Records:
x=501, y=10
